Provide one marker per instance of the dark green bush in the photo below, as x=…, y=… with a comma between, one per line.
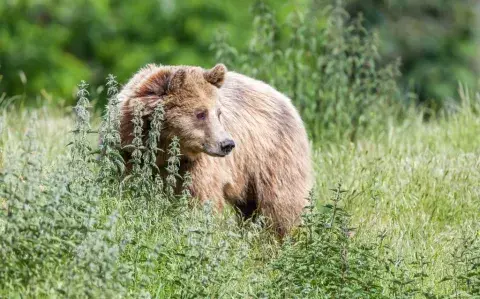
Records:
x=437, y=41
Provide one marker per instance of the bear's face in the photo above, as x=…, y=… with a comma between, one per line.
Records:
x=190, y=96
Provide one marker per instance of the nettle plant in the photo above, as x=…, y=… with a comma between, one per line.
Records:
x=323, y=260
x=51, y=213
x=51, y=208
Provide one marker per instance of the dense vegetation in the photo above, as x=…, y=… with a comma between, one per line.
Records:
x=437, y=41
x=72, y=226
x=394, y=212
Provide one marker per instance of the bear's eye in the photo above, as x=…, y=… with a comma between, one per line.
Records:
x=201, y=115
x=151, y=93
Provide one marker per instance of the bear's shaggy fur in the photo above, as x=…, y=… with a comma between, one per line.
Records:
x=268, y=171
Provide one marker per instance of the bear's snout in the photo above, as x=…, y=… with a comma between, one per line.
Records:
x=219, y=149
x=227, y=146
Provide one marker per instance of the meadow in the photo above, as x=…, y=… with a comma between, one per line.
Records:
x=394, y=212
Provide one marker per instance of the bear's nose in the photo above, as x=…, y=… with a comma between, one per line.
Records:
x=227, y=146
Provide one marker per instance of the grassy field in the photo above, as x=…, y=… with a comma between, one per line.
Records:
x=396, y=216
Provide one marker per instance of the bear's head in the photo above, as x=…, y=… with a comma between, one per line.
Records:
x=190, y=97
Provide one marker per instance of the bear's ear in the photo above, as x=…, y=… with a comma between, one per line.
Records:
x=216, y=75
x=176, y=80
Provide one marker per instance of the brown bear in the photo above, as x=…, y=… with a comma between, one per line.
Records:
x=242, y=141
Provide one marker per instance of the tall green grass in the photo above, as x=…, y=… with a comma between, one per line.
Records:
x=394, y=216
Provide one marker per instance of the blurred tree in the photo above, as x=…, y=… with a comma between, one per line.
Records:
x=58, y=43
x=434, y=38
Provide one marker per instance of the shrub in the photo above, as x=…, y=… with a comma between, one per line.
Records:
x=324, y=261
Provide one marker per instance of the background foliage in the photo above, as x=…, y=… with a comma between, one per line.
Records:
x=57, y=43
x=438, y=42
x=47, y=46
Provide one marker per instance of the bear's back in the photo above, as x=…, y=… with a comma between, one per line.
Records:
x=258, y=106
